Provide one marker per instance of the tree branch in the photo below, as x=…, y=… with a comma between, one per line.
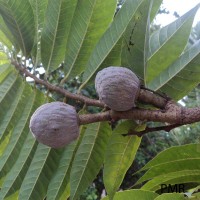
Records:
x=168, y=110
x=145, y=96
x=60, y=90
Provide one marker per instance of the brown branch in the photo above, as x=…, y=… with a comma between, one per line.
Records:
x=60, y=90
x=145, y=96
x=168, y=110
x=173, y=114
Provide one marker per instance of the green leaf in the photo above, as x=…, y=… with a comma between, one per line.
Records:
x=136, y=40
x=59, y=187
x=19, y=18
x=6, y=36
x=113, y=59
x=168, y=43
x=19, y=133
x=171, y=166
x=89, y=157
x=15, y=176
x=55, y=32
x=3, y=57
x=186, y=176
x=119, y=156
x=60, y=180
x=134, y=195
x=174, y=165
x=180, y=77
x=174, y=153
x=40, y=172
x=173, y=196
x=110, y=37
x=90, y=21
x=155, y=8
x=39, y=9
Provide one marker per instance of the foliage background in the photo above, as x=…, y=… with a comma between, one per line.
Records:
x=95, y=35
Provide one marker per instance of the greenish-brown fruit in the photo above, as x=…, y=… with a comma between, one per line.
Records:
x=117, y=87
x=55, y=124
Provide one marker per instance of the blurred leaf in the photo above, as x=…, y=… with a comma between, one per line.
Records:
x=55, y=32
x=168, y=43
x=134, y=195
x=136, y=40
x=181, y=76
x=90, y=21
x=110, y=37
x=155, y=8
x=3, y=57
x=89, y=157
x=119, y=156
x=20, y=22
x=173, y=196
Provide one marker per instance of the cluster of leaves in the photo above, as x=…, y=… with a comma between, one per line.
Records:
x=79, y=38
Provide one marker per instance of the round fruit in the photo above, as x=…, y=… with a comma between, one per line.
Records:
x=55, y=124
x=117, y=87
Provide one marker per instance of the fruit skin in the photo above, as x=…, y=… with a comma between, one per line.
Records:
x=117, y=87
x=55, y=124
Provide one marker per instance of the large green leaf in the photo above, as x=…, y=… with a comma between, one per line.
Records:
x=186, y=176
x=113, y=59
x=174, y=153
x=89, y=157
x=4, y=40
x=134, y=195
x=39, y=8
x=180, y=77
x=167, y=43
x=19, y=133
x=6, y=36
x=59, y=186
x=55, y=32
x=171, y=166
x=19, y=18
x=119, y=156
x=110, y=37
x=40, y=172
x=15, y=176
x=90, y=21
x=25, y=167
x=136, y=40
x=174, y=165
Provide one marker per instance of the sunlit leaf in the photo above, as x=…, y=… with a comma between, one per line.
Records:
x=168, y=43
x=119, y=156
x=180, y=77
